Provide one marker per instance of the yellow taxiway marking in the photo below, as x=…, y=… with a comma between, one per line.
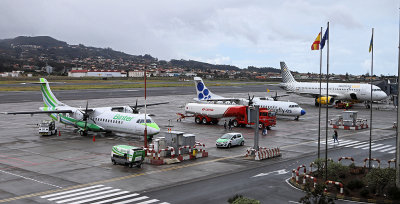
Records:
x=148, y=173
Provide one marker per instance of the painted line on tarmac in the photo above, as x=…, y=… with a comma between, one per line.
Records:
x=346, y=135
x=113, y=179
x=147, y=173
x=29, y=179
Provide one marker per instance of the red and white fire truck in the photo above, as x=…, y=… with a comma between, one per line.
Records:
x=206, y=113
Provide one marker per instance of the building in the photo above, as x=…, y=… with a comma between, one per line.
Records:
x=136, y=73
x=11, y=74
x=49, y=69
x=77, y=73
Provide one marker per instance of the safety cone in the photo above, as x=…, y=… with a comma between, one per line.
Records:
x=94, y=139
x=59, y=133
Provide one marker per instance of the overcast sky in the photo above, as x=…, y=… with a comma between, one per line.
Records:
x=236, y=32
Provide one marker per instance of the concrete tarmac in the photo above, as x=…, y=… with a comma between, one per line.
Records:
x=33, y=166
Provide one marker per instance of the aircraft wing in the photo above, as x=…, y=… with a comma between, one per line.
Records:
x=152, y=104
x=37, y=112
x=138, y=106
x=314, y=95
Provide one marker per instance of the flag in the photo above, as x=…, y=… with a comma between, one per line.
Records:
x=326, y=37
x=315, y=45
x=371, y=43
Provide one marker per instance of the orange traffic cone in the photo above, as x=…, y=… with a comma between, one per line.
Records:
x=94, y=139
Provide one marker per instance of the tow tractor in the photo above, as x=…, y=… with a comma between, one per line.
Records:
x=342, y=105
x=127, y=155
x=47, y=127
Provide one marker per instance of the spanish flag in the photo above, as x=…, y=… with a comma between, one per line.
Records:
x=315, y=45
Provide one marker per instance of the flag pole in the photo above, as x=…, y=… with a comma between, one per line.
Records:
x=319, y=104
x=398, y=118
x=145, y=110
x=370, y=115
x=327, y=98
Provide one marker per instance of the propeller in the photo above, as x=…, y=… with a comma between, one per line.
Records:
x=85, y=117
x=276, y=96
x=250, y=100
x=135, y=108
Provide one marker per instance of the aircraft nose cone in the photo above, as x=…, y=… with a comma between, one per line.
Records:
x=302, y=112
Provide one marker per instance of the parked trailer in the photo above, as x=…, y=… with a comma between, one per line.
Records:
x=205, y=113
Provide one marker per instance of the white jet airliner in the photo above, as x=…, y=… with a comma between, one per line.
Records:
x=280, y=107
x=355, y=92
x=123, y=119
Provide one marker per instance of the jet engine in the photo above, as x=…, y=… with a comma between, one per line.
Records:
x=324, y=100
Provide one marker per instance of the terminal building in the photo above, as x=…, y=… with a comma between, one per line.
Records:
x=96, y=73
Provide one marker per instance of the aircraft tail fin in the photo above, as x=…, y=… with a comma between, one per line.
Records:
x=287, y=77
x=203, y=93
x=48, y=97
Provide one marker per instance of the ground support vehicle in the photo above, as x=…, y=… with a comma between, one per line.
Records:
x=205, y=113
x=47, y=127
x=127, y=155
x=230, y=139
x=343, y=105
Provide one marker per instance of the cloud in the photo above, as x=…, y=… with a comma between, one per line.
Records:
x=240, y=33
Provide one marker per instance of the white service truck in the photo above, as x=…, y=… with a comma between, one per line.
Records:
x=47, y=127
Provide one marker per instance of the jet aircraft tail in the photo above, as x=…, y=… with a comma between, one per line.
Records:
x=287, y=77
x=203, y=93
x=48, y=97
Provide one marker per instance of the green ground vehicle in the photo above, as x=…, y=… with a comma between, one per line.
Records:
x=127, y=155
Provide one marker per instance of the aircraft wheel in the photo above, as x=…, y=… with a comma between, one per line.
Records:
x=260, y=126
x=235, y=123
x=139, y=165
x=130, y=165
x=204, y=120
x=114, y=162
x=229, y=145
x=242, y=143
x=81, y=133
x=197, y=120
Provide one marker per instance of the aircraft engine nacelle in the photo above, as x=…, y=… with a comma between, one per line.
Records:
x=324, y=100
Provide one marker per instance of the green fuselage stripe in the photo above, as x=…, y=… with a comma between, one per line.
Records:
x=46, y=98
x=49, y=95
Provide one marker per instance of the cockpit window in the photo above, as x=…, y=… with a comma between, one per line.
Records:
x=142, y=121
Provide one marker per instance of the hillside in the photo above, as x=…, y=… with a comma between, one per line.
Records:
x=39, y=50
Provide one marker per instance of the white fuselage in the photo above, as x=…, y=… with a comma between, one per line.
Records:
x=110, y=120
x=339, y=91
x=280, y=107
x=207, y=109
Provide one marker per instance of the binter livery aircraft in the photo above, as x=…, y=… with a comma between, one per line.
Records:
x=280, y=107
x=123, y=119
x=355, y=92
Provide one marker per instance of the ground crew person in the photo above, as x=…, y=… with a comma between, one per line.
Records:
x=335, y=137
x=347, y=106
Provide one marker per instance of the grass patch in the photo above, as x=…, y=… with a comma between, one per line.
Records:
x=68, y=86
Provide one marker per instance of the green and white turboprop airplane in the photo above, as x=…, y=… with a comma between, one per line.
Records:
x=122, y=119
